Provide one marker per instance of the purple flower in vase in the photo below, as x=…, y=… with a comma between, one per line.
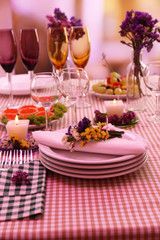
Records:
x=140, y=30
x=59, y=19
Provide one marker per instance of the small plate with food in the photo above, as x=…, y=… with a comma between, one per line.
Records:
x=35, y=114
x=114, y=87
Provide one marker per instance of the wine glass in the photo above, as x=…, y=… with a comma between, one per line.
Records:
x=44, y=91
x=80, y=52
x=8, y=56
x=72, y=84
x=152, y=81
x=29, y=49
x=57, y=46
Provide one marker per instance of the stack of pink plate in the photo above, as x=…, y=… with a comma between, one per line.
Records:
x=89, y=165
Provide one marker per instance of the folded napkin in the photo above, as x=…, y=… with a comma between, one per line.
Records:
x=129, y=143
x=19, y=201
x=20, y=85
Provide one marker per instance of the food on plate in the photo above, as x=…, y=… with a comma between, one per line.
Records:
x=115, y=85
x=35, y=114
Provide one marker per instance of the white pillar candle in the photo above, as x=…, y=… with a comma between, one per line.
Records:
x=114, y=107
x=18, y=128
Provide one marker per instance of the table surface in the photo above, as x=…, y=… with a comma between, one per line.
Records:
x=126, y=207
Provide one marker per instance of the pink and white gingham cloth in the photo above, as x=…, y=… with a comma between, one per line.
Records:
x=126, y=207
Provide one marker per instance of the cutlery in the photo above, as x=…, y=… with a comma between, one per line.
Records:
x=13, y=158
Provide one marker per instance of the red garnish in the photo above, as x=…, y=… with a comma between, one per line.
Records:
x=11, y=110
x=41, y=113
x=117, y=84
x=24, y=111
x=27, y=106
x=108, y=80
x=51, y=108
x=10, y=116
x=41, y=109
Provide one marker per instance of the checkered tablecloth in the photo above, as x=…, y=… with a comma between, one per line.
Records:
x=21, y=200
x=120, y=208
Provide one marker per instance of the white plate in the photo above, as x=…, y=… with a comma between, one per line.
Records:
x=83, y=157
x=94, y=176
x=106, y=96
x=91, y=166
x=20, y=85
x=92, y=171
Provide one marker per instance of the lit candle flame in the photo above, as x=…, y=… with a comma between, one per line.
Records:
x=16, y=120
x=114, y=101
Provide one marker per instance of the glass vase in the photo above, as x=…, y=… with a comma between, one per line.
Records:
x=136, y=89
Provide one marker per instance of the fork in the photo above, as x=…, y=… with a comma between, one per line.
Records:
x=14, y=158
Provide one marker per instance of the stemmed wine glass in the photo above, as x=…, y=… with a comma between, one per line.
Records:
x=8, y=56
x=57, y=46
x=29, y=49
x=72, y=84
x=152, y=81
x=44, y=91
x=80, y=52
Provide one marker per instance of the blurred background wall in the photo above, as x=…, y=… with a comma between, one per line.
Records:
x=103, y=17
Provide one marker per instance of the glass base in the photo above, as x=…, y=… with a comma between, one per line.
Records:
x=65, y=101
x=154, y=119
x=82, y=104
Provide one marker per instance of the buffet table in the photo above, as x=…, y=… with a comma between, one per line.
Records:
x=125, y=207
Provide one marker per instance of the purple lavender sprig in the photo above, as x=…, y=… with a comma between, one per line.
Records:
x=21, y=177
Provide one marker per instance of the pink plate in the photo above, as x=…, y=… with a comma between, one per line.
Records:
x=83, y=157
x=93, y=171
x=91, y=166
x=94, y=176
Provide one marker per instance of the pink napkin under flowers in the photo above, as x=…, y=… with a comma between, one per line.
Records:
x=129, y=143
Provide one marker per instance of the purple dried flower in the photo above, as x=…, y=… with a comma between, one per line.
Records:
x=75, y=21
x=126, y=118
x=20, y=177
x=82, y=125
x=60, y=15
x=140, y=29
x=69, y=129
x=100, y=117
x=59, y=19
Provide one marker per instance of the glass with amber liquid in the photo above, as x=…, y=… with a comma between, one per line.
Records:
x=80, y=52
x=57, y=46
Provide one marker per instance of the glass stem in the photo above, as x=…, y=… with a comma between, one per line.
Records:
x=157, y=111
x=46, y=114
x=74, y=120
x=9, y=75
x=31, y=73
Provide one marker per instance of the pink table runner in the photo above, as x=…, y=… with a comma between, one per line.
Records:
x=126, y=207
